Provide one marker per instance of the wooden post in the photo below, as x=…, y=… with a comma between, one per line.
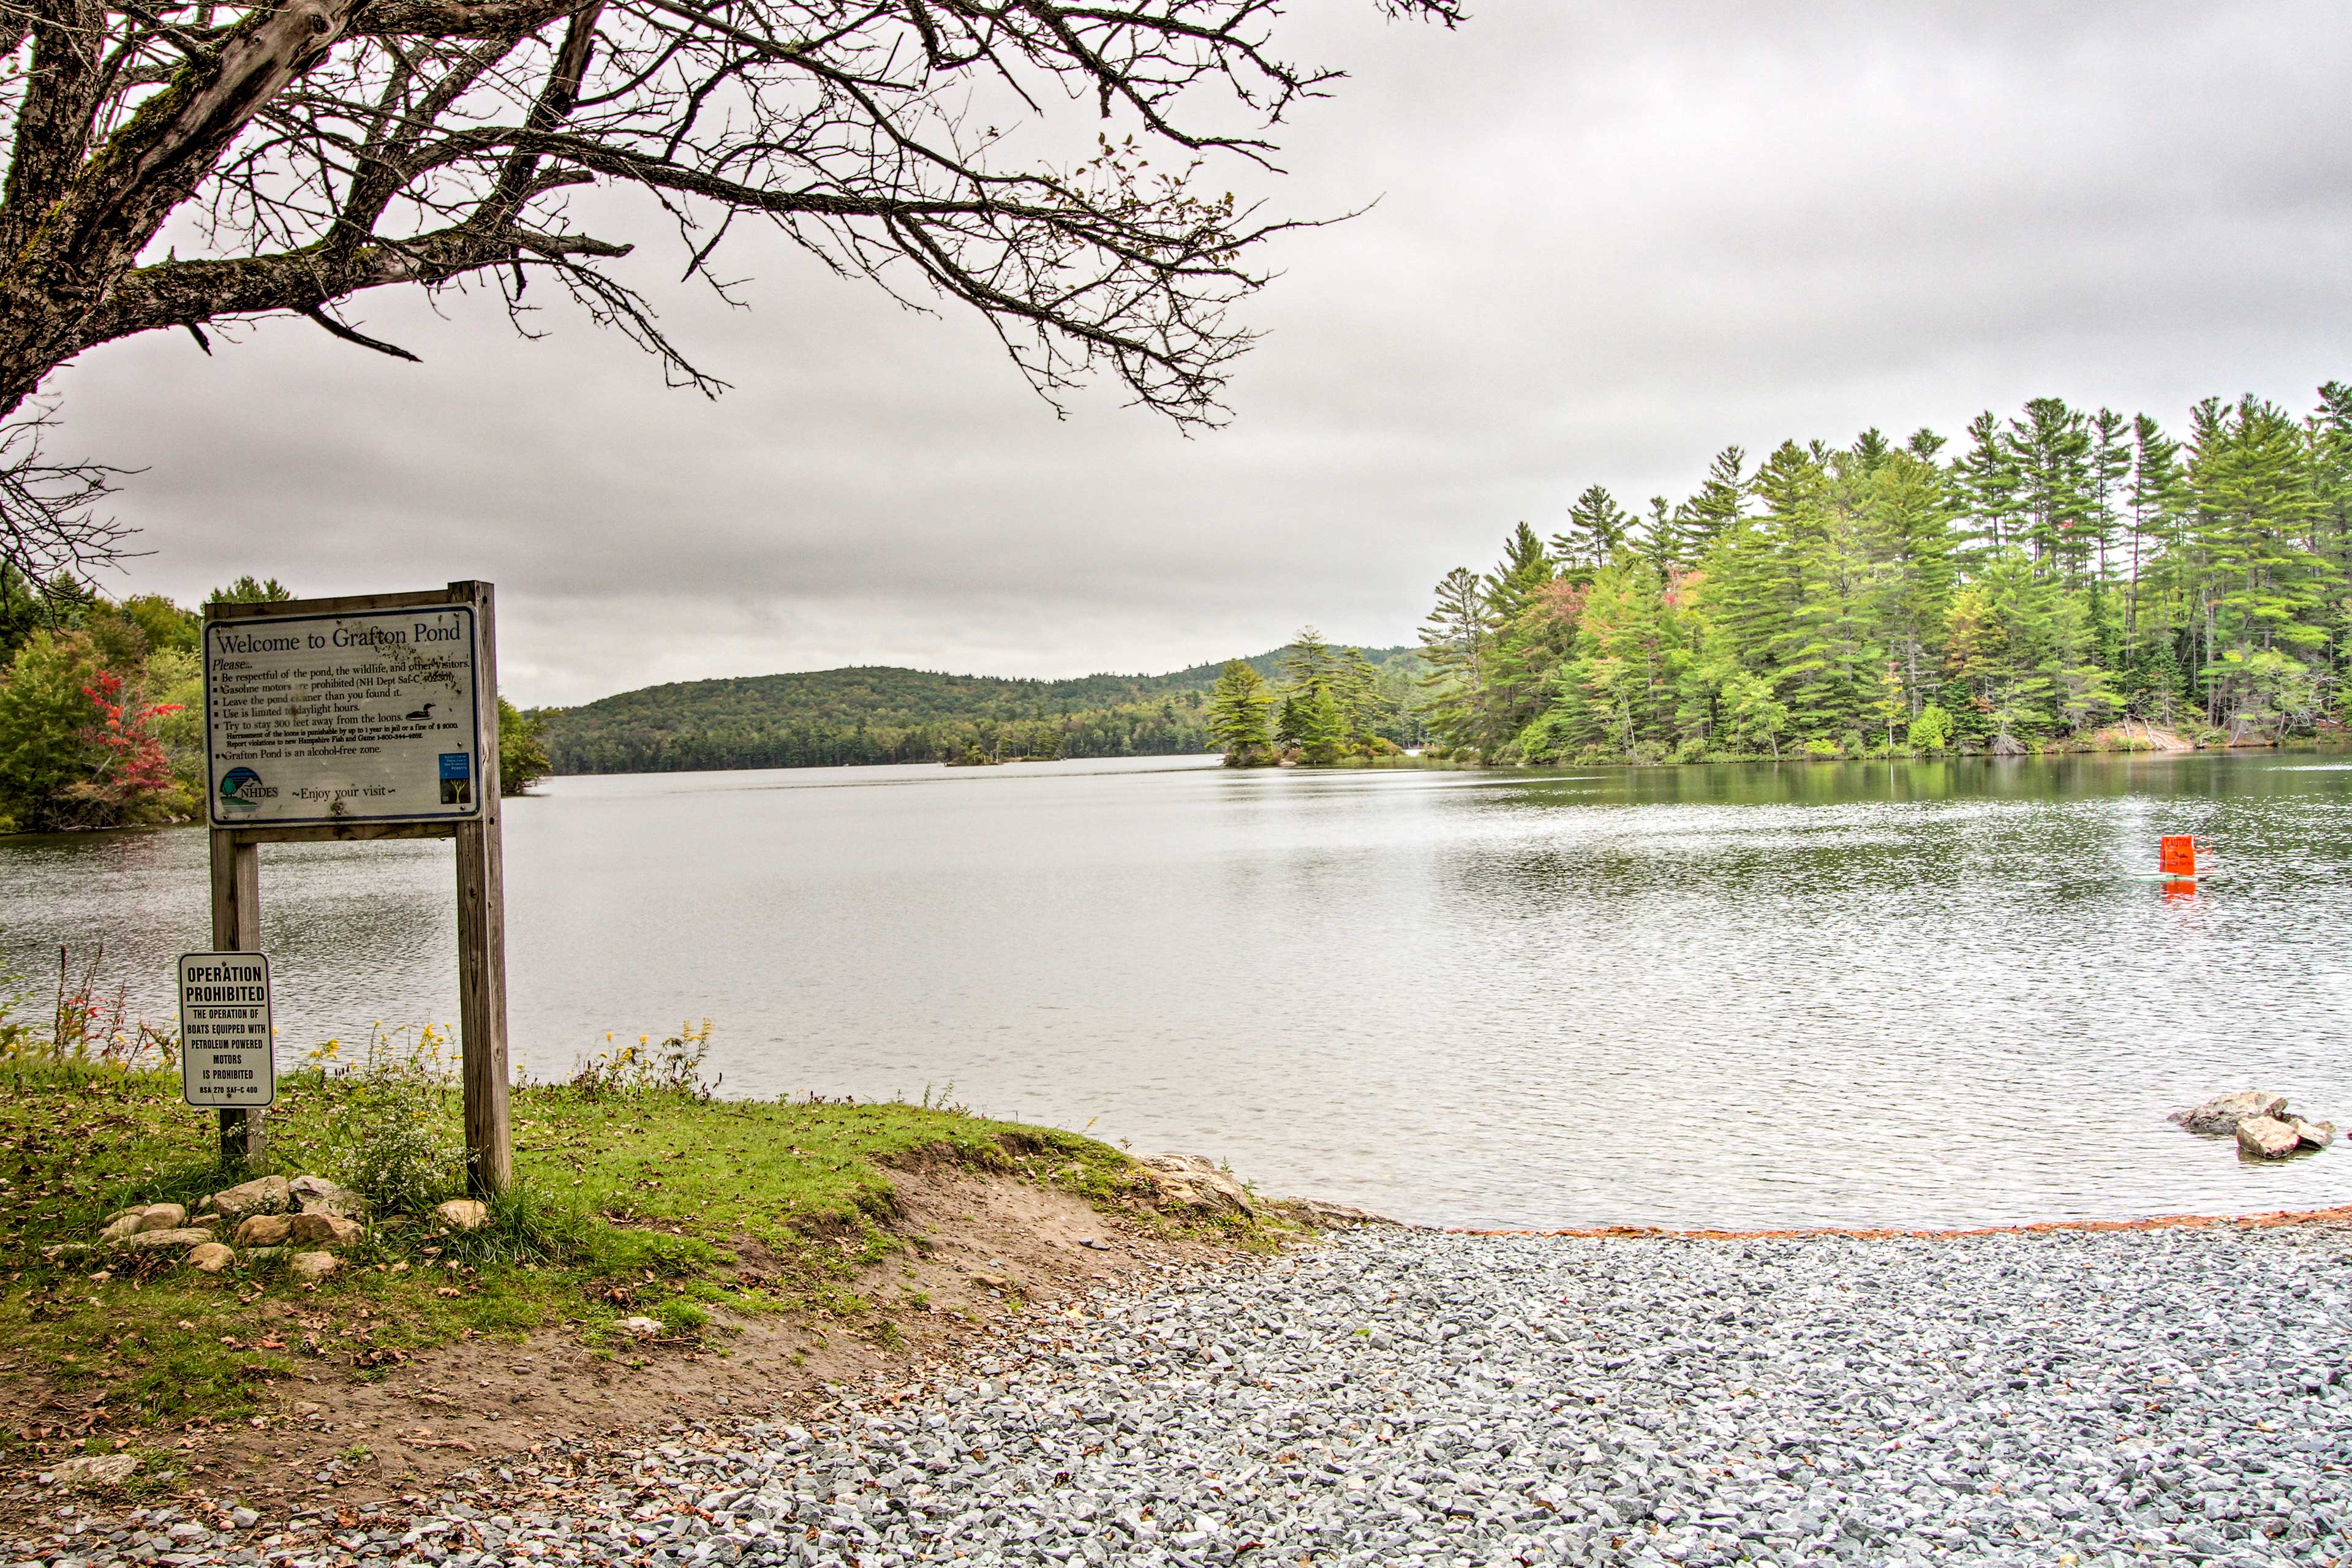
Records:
x=482, y=930
x=236, y=928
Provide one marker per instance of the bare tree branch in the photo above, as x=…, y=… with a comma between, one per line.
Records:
x=354, y=335
x=319, y=149
x=51, y=527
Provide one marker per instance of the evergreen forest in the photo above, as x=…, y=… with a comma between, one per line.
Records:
x=885, y=714
x=2063, y=578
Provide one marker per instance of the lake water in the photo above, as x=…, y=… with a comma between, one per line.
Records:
x=1741, y=995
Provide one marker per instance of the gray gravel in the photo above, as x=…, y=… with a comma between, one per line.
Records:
x=1410, y=1398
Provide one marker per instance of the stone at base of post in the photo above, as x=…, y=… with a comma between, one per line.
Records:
x=243, y=1136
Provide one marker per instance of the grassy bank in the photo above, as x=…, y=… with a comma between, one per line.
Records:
x=634, y=1197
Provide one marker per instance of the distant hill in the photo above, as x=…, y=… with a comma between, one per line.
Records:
x=879, y=713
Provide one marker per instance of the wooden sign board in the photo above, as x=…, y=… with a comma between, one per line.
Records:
x=365, y=716
x=228, y=1050
x=356, y=719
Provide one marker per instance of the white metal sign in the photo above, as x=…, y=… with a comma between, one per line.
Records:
x=374, y=716
x=228, y=1056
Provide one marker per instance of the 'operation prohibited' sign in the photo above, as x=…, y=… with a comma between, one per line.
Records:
x=372, y=715
x=228, y=1056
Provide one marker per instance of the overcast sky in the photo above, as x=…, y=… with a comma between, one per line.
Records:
x=1610, y=239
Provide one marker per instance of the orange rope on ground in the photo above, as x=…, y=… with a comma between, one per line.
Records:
x=2164, y=1222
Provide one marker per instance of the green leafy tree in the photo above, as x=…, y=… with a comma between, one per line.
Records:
x=522, y=749
x=78, y=746
x=2152, y=500
x=1930, y=730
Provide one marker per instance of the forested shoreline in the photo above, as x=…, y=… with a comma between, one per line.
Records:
x=2068, y=578
x=2066, y=570
x=877, y=714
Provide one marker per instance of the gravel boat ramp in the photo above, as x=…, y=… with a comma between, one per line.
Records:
x=1389, y=1396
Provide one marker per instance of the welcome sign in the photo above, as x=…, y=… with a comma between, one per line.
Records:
x=372, y=716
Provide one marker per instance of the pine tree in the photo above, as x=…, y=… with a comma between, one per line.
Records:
x=2255, y=503
x=1989, y=480
x=1907, y=513
x=2049, y=451
x=1597, y=527
x=2153, y=498
x=1308, y=661
x=2110, y=468
x=1313, y=716
x=1526, y=567
x=1455, y=643
x=2329, y=432
x=1720, y=501
x=1239, y=705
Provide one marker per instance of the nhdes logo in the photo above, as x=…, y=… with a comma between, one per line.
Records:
x=241, y=789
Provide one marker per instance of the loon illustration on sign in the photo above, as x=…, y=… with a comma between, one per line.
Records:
x=373, y=716
x=228, y=1057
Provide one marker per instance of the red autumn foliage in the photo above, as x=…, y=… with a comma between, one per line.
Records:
x=134, y=766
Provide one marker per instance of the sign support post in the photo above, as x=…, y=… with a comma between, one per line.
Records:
x=236, y=928
x=482, y=940
x=370, y=716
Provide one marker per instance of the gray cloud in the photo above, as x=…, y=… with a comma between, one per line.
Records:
x=1608, y=240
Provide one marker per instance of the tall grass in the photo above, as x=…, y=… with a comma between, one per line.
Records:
x=86, y=1025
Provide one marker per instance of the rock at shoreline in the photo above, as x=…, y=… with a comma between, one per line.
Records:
x=211, y=1257
x=2314, y=1134
x=1191, y=1181
x=263, y=1230
x=643, y=1328
x=1316, y=1215
x=264, y=1195
x=2267, y=1138
x=463, y=1213
x=2224, y=1113
x=310, y=1267
x=95, y=1470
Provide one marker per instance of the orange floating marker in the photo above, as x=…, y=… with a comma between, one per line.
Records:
x=2177, y=856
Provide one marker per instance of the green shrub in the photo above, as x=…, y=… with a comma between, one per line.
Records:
x=1931, y=730
x=394, y=1133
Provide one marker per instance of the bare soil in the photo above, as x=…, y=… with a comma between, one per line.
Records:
x=981, y=1247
